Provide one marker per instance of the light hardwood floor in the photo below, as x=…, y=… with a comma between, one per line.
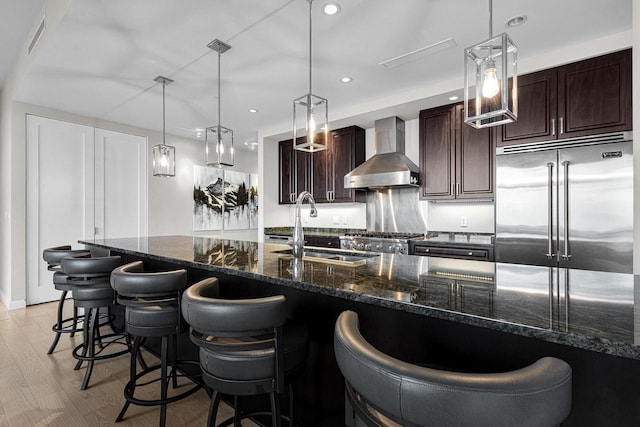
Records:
x=41, y=390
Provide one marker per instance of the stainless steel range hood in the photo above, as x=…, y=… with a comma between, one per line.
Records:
x=389, y=167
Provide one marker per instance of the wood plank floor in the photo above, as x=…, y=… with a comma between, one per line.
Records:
x=41, y=390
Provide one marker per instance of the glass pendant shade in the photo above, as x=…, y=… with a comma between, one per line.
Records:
x=491, y=82
x=164, y=156
x=310, y=123
x=219, y=146
x=164, y=160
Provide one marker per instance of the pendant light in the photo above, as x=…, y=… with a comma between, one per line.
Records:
x=491, y=80
x=310, y=115
x=164, y=156
x=219, y=139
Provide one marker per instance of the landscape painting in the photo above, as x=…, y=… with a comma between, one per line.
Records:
x=207, y=198
x=253, y=200
x=236, y=201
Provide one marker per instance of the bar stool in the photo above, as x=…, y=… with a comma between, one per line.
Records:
x=246, y=348
x=152, y=301
x=92, y=291
x=381, y=390
x=53, y=257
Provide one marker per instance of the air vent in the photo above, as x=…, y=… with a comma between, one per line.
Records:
x=37, y=36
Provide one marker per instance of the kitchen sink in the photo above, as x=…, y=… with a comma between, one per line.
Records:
x=330, y=256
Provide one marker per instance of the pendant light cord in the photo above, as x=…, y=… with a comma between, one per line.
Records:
x=163, y=115
x=490, y=19
x=310, y=3
x=219, y=122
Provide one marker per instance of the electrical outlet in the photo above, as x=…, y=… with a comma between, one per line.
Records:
x=305, y=217
x=463, y=221
x=345, y=220
x=336, y=219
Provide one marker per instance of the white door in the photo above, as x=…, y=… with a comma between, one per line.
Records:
x=82, y=183
x=121, y=185
x=60, y=195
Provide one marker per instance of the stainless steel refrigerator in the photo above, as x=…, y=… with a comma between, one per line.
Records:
x=566, y=203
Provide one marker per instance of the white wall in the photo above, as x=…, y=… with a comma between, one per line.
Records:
x=171, y=198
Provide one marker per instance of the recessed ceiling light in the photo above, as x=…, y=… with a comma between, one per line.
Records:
x=346, y=79
x=453, y=98
x=253, y=110
x=331, y=8
x=516, y=21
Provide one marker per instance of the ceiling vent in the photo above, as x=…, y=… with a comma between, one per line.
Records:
x=37, y=35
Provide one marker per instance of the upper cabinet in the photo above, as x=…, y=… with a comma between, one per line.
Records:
x=322, y=173
x=456, y=160
x=582, y=98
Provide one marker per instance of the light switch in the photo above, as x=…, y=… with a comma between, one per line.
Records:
x=336, y=219
x=463, y=221
x=345, y=220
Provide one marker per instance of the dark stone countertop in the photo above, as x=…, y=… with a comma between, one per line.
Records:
x=310, y=231
x=584, y=309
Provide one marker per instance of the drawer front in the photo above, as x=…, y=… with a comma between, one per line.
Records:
x=454, y=252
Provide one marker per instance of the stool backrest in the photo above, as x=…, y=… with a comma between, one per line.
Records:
x=223, y=317
x=242, y=329
x=81, y=267
x=53, y=256
x=411, y=395
x=131, y=281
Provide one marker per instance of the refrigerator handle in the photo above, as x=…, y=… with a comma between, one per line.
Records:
x=566, y=256
x=550, y=253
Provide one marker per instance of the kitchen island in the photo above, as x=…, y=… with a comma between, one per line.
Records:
x=472, y=315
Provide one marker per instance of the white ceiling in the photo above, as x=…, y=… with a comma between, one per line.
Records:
x=103, y=56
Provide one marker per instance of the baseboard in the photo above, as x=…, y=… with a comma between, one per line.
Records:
x=12, y=305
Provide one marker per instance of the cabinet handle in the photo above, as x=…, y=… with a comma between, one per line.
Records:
x=553, y=127
x=561, y=125
x=457, y=189
x=292, y=197
x=452, y=192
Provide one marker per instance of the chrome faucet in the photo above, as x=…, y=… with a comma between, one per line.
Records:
x=298, y=235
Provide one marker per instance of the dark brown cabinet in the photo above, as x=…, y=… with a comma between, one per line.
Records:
x=294, y=172
x=582, y=98
x=456, y=160
x=322, y=173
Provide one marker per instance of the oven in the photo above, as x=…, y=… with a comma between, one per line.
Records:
x=469, y=246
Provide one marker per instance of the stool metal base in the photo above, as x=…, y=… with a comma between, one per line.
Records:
x=86, y=352
x=62, y=325
x=134, y=376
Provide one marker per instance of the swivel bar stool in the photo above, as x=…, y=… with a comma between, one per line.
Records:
x=381, y=390
x=246, y=348
x=92, y=291
x=53, y=257
x=152, y=301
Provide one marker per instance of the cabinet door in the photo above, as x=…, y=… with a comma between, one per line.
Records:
x=320, y=170
x=286, y=167
x=437, y=153
x=347, y=150
x=475, y=156
x=537, y=101
x=595, y=95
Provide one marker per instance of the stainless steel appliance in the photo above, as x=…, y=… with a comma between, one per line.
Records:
x=388, y=167
x=470, y=246
x=377, y=241
x=566, y=203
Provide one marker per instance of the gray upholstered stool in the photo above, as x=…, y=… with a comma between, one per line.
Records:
x=246, y=348
x=152, y=301
x=382, y=390
x=92, y=291
x=53, y=257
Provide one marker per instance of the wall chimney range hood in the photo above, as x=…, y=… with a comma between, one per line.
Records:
x=389, y=167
